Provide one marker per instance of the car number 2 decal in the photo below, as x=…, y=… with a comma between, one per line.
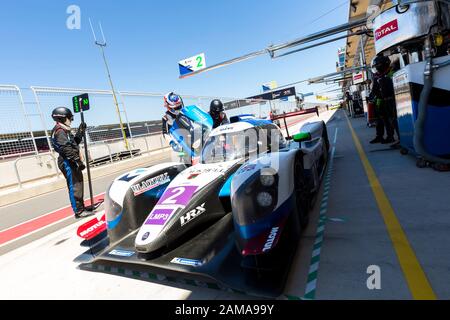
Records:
x=177, y=195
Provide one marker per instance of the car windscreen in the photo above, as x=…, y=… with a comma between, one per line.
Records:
x=243, y=144
x=230, y=146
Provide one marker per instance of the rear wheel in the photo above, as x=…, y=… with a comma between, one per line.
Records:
x=302, y=194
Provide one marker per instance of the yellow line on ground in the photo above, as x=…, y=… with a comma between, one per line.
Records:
x=415, y=276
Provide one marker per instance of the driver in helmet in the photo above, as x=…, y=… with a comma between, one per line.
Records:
x=216, y=111
x=69, y=161
x=174, y=104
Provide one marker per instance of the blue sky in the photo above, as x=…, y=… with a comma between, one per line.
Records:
x=146, y=39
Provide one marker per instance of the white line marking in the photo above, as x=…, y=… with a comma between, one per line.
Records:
x=33, y=232
x=311, y=286
x=44, y=215
x=316, y=252
x=335, y=135
x=318, y=240
x=314, y=267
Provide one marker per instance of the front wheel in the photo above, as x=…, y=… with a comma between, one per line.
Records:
x=325, y=136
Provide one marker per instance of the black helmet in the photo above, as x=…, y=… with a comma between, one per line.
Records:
x=380, y=64
x=216, y=107
x=61, y=114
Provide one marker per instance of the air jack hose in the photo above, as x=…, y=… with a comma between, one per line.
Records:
x=419, y=131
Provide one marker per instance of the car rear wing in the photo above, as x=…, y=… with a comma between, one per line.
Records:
x=293, y=114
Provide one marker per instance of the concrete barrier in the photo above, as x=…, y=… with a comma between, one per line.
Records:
x=20, y=171
x=49, y=184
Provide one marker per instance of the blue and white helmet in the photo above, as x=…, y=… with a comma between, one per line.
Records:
x=173, y=102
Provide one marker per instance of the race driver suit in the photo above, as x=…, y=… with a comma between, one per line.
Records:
x=383, y=96
x=221, y=119
x=70, y=163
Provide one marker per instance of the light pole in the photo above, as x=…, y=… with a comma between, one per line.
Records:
x=102, y=46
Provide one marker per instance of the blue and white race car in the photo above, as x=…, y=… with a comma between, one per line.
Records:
x=235, y=217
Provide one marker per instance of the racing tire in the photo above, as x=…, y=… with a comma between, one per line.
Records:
x=421, y=163
x=325, y=137
x=404, y=151
x=303, y=201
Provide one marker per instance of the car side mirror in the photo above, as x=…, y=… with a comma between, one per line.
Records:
x=302, y=136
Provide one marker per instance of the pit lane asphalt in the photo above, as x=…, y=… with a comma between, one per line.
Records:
x=360, y=238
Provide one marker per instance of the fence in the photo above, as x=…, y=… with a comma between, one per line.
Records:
x=16, y=133
x=26, y=153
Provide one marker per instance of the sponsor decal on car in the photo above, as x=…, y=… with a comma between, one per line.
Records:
x=271, y=239
x=145, y=236
x=200, y=171
x=193, y=175
x=226, y=128
x=386, y=29
x=178, y=195
x=150, y=184
x=121, y=253
x=191, y=215
x=187, y=262
x=159, y=216
x=131, y=175
x=173, y=199
x=92, y=228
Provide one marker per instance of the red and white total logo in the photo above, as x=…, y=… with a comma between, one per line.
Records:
x=386, y=29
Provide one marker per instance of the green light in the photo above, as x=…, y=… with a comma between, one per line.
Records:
x=76, y=105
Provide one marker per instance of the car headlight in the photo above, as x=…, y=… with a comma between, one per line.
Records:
x=267, y=180
x=264, y=199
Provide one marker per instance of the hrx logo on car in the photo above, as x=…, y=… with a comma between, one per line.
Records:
x=271, y=239
x=191, y=215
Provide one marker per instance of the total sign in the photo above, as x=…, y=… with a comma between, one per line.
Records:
x=359, y=77
x=192, y=64
x=397, y=25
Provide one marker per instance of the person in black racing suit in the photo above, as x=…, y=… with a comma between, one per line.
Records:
x=383, y=96
x=69, y=161
x=216, y=111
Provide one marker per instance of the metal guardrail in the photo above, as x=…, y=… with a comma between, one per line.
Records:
x=26, y=122
x=19, y=180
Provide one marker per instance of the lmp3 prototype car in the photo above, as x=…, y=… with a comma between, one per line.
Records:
x=234, y=218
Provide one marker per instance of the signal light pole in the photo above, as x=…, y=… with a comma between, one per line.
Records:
x=102, y=46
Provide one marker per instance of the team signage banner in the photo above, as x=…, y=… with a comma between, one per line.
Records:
x=275, y=95
x=192, y=64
